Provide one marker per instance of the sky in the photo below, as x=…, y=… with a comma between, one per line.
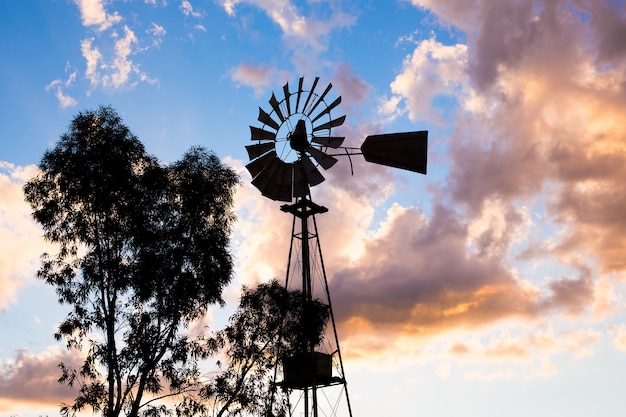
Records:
x=492, y=286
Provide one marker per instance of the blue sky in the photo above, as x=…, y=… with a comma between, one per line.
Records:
x=492, y=286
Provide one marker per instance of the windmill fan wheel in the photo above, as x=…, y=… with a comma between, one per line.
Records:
x=293, y=142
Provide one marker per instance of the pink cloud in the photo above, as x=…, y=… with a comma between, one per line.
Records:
x=33, y=379
x=259, y=77
x=354, y=90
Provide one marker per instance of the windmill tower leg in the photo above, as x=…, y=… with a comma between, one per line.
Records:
x=311, y=374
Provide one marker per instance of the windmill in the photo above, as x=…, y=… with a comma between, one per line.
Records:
x=293, y=142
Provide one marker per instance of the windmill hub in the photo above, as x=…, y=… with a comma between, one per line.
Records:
x=274, y=169
x=298, y=138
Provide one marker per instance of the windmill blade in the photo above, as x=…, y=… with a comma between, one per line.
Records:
x=260, y=134
x=312, y=174
x=333, y=123
x=311, y=92
x=326, y=161
x=266, y=119
x=320, y=99
x=255, y=167
x=286, y=91
x=328, y=109
x=275, y=180
x=331, y=142
x=254, y=151
x=299, y=93
x=276, y=106
x=285, y=183
x=263, y=180
x=300, y=184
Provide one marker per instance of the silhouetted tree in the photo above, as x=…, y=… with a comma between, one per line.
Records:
x=267, y=326
x=142, y=254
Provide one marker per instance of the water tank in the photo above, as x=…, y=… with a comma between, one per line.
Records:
x=307, y=370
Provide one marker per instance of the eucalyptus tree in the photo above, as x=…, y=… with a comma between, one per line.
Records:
x=267, y=326
x=142, y=253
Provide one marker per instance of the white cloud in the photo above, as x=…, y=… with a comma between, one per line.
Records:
x=188, y=9
x=92, y=13
x=158, y=32
x=93, y=57
x=119, y=70
x=121, y=67
x=65, y=101
x=229, y=6
x=431, y=71
x=57, y=86
x=71, y=78
x=299, y=30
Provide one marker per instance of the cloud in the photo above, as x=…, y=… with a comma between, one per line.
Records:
x=229, y=6
x=65, y=101
x=92, y=57
x=33, y=379
x=517, y=134
x=405, y=281
x=93, y=13
x=619, y=336
x=258, y=77
x=121, y=66
x=188, y=9
x=108, y=59
x=355, y=91
x=157, y=32
x=118, y=70
x=58, y=87
x=519, y=145
x=303, y=34
x=253, y=76
x=526, y=226
x=533, y=137
x=507, y=351
x=431, y=71
x=261, y=235
x=23, y=242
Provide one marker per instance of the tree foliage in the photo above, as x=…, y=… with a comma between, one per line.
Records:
x=142, y=253
x=268, y=325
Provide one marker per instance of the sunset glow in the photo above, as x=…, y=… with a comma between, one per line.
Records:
x=492, y=286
